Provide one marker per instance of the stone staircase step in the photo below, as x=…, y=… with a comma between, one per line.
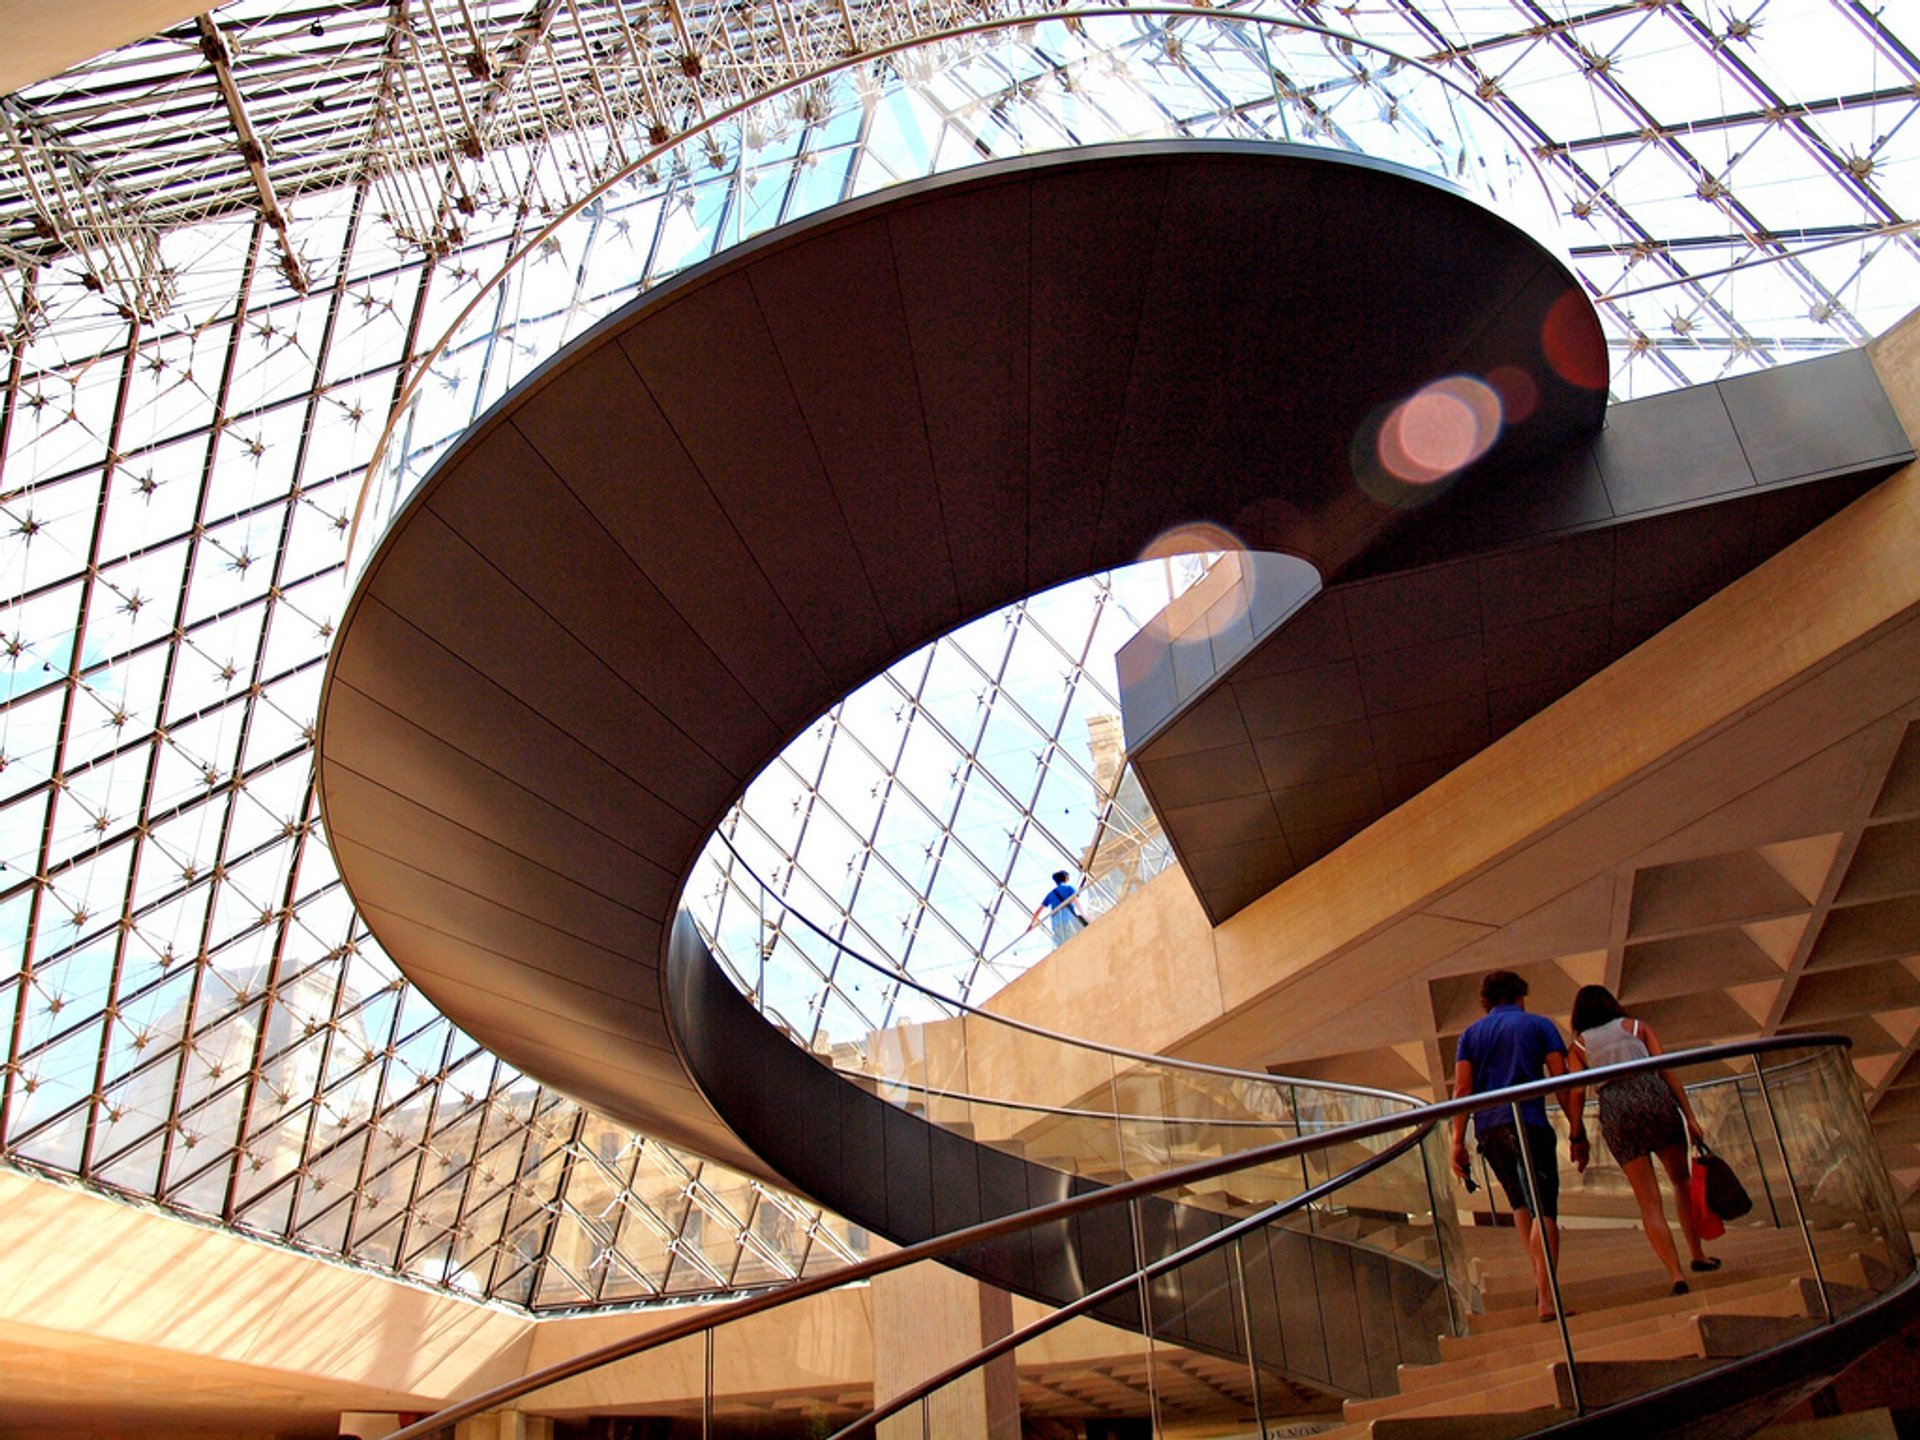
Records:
x=1592, y=1275
x=1859, y=1425
x=1612, y=1371
x=1587, y=1271
x=1792, y=1306
x=1506, y=1425
x=1641, y=1289
x=1510, y=1377
x=1456, y=1383
x=1770, y=1290
x=1681, y=1337
x=1540, y=1350
x=1532, y=1389
x=1608, y=1382
x=1509, y=1327
x=1586, y=1249
x=1728, y=1335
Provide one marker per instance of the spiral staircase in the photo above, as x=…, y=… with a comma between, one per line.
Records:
x=699, y=525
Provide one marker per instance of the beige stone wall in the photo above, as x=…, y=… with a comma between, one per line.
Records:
x=1714, y=733
x=931, y=1318
x=822, y=1346
x=108, y=1307
x=45, y=37
x=123, y=1321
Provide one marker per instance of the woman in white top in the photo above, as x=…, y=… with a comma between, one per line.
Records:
x=1640, y=1116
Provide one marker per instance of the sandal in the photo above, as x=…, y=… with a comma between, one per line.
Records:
x=1704, y=1267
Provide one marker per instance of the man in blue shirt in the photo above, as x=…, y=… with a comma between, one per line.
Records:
x=1060, y=908
x=1511, y=1047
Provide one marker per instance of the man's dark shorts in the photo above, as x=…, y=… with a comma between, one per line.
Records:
x=1501, y=1150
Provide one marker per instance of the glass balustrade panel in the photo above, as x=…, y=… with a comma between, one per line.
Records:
x=1062, y=1103
x=1086, y=1377
x=1223, y=1315
x=1837, y=1185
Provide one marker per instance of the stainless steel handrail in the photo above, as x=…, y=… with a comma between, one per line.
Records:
x=1069, y=1112
x=1422, y=1120
x=1027, y=1027
x=1035, y=1328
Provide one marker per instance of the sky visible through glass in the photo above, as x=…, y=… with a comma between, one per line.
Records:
x=193, y=394
x=921, y=820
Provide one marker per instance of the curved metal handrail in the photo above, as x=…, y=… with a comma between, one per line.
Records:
x=1033, y=1329
x=1069, y=1112
x=1040, y=1031
x=423, y=365
x=1421, y=1121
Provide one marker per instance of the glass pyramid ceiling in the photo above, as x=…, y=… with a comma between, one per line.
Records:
x=222, y=250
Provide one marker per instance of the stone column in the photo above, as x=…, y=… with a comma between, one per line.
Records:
x=926, y=1318
x=504, y=1425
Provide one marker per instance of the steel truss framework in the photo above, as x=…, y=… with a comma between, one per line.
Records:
x=221, y=251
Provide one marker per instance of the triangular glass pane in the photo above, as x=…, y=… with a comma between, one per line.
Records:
x=323, y=1225
x=556, y=1288
x=267, y=1212
x=136, y=1171
x=65, y=991
x=267, y=1157
x=116, y=712
x=50, y=1098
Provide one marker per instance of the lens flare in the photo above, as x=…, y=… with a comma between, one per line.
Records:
x=1519, y=392
x=1443, y=428
x=1427, y=437
x=1574, y=344
x=1217, y=602
x=1200, y=537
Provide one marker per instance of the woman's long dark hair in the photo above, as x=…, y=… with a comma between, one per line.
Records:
x=1594, y=1005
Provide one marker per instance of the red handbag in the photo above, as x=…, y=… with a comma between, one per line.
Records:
x=1707, y=1225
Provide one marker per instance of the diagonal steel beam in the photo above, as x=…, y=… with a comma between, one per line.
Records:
x=77, y=209
x=213, y=45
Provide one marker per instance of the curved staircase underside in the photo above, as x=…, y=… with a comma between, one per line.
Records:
x=706, y=521
x=700, y=525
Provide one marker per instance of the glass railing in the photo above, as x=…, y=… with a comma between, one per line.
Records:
x=1206, y=1332
x=1791, y=1126
x=1823, y=1241
x=993, y=90
x=882, y=890
x=722, y=1372
x=1083, y=1109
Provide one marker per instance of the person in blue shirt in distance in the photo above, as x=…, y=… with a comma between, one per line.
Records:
x=1510, y=1047
x=1060, y=908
